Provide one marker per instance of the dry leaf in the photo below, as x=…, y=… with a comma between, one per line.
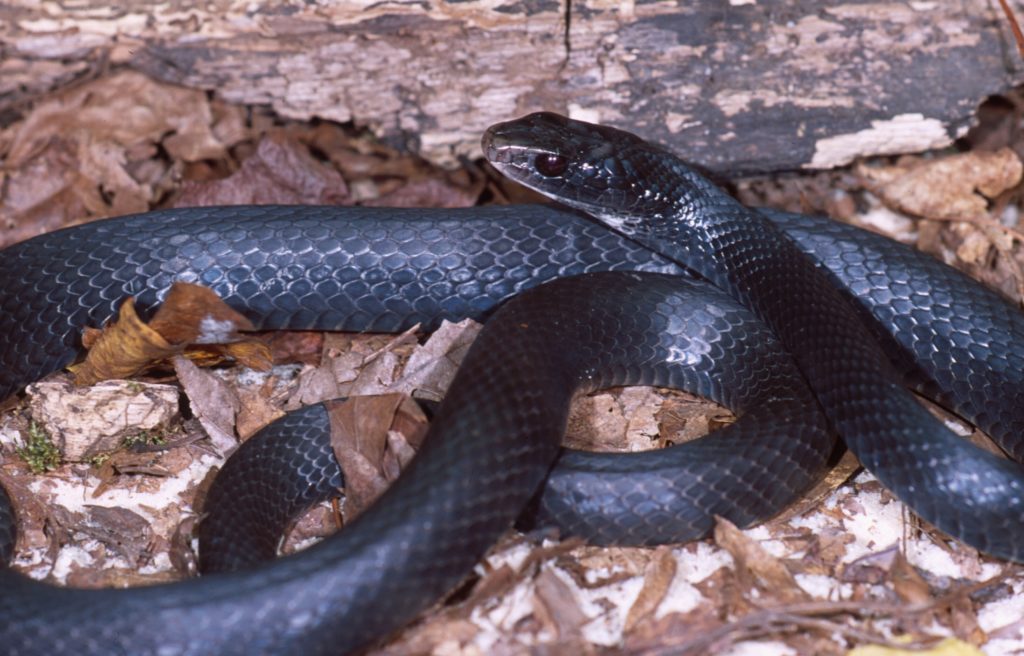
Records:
x=257, y=409
x=213, y=403
x=872, y=568
x=428, y=192
x=94, y=149
x=770, y=573
x=281, y=171
x=556, y=605
x=953, y=187
x=431, y=367
x=428, y=637
x=964, y=619
x=907, y=583
x=193, y=314
x=189, y=314
x=657, y=580
x=121, y=349
x=360, y=429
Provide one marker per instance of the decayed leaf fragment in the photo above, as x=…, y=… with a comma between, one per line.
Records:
x=658, y=576
x=95, y=149
x=280, y=171
x=191, y=315
x=954, y=187
x=371, y=436
x=768, y=572
x=213, y=403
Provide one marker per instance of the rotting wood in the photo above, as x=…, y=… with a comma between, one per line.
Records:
x=737, y=87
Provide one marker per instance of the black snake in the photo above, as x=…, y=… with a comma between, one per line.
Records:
x=493, y=440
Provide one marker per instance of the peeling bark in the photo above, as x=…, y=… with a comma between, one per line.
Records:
x=738, y=87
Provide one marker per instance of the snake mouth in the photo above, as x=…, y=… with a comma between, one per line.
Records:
x=517, y=141
x=501, y=146
x=496, y=148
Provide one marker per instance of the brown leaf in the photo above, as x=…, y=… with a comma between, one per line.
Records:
x=907, y=583
x=193, y=314
x=287, y=346
x=657, y=580
x=825, y=551
x=257, y=408
x=428, y=637
x=432, y=366
x=658, y=636
x=684, y=417
x=872, y=568
x=964, y=619
x=213, y=403
x=95, y=149
x=953, y=187
x=428, y=192
x=281, y=171
x=359, y=437
x=45, y=193
x=769, y=573
x=122, y=349
x=316, y=523
x=190, y=314
x=556, y=605
x=122, y=530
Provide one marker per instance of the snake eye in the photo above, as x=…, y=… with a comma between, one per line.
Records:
x=551, y=165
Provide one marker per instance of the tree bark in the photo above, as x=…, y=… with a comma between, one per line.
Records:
x=738, y=87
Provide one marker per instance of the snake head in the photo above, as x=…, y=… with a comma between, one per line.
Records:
x=607, y=173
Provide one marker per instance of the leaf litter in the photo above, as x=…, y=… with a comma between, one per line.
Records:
x=848, y=572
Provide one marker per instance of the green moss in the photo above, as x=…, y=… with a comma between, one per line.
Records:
x=38, y=450
x=145, y=437
x=98, y=459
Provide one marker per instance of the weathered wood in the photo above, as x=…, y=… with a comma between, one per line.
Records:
x=737, y=86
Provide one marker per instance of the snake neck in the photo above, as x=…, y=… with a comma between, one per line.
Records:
x=655, y=198
x=650, y=195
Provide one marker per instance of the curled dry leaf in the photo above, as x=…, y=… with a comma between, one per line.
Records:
x=954, y=187
x=121, y=349
x=191, y=314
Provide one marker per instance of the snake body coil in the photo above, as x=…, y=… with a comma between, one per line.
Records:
x=497, y=433
x=647, y=193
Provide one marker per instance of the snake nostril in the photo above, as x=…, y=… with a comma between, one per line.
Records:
x=550, y=165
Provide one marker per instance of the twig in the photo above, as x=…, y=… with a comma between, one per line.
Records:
x=1014, y=26
x=812, y=615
